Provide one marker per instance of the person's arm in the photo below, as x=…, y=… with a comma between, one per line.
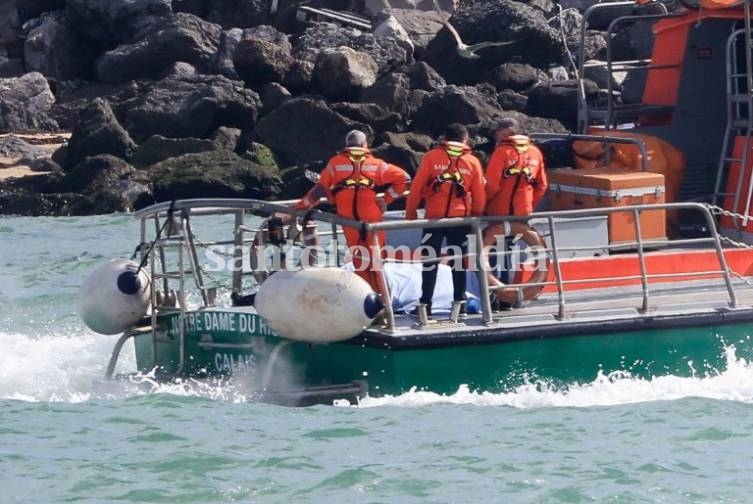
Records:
x=397, y=179
x=478, y=191
x=320, y=190
x=494, y=169
x=417, y=188
x=539, y=190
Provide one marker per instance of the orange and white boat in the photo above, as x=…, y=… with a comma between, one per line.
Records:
x=641, y=259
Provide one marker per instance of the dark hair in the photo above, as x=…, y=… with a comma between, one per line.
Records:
x=455, y=132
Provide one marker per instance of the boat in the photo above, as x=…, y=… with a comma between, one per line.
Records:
x=640, y=262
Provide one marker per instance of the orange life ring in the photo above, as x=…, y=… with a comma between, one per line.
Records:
x=515, y=295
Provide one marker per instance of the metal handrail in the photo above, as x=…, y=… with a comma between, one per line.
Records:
x=582, y=102
x=238, y=207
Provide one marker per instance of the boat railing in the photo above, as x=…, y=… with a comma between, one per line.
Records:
x=639, y=244
x=553, y=252
x=613, y=113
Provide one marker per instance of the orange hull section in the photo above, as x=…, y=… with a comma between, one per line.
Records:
x=657, y=263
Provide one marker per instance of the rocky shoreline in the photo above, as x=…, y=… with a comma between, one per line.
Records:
x=237, y=98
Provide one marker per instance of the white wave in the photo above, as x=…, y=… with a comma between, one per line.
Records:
x=733, y=384
x=60, y=367
x=65, y=367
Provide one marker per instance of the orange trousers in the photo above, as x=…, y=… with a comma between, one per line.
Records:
x=362, y=253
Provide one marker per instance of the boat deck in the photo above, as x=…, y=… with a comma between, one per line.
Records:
x=610, y=309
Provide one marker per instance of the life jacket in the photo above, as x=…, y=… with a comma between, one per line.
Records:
x=519, y=175
x=520, y=165
x=356, y=191
x=448, y=189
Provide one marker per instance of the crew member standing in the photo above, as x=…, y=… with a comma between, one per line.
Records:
x=450, y=181
x=515, y=176
x=515, y=184
x=349, y=181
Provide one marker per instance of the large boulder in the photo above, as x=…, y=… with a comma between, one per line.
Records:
x=107, y=184
x=559, y=100
x=72, y=100
x=35, y=8
x=420, y=26
x=14, y=147
x=97, y=132
x=423, y=76
x=55, y=49
x=93, y=169
x=221, y=174
x=230, y=39
x=272, y=95
x=342, y=72
x=259, y=61
x=372, y=114
x=305, y=129
x=390, y=91
x=238, y=13
x=160, y=43
x=111, y=22
x=11, y=67
x=518, y=77
x=387, y=52
x=25, y=104
x=464, y=104
x=534, y=41
x=157, y=148
x=10, y=23
x=403, y=149
x=189, y=107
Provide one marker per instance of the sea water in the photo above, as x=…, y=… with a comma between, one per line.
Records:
x=617, y=439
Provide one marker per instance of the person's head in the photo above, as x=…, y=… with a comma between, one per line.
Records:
x=356, y=138
x=506, y=127
x=456, y=132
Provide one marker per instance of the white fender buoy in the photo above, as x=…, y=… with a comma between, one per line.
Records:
x=114, y=297
x=317, y=305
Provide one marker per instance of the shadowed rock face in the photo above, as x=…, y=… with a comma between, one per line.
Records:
x=56, y=50
x=189, y=107
x=212, y=174
x=537, y=43
x=25, y=104
x=187, y=98
x=97, y=132
x=159, y=43
x=304, y=129
x=110, y=22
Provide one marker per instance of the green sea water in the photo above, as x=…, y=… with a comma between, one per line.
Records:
x=617, y=439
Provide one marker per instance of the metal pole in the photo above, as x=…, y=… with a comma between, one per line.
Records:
x=182, y=295
x=483, y=281
x=238, y=252
x=711, y=223
x=641, y=260
x=557, y=271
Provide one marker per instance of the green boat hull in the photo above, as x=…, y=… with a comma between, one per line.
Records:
x=226, y=344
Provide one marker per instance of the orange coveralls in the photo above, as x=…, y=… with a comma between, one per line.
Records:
x=515, y=178
x=349, y=181
x=441, y=197
x=450, y=181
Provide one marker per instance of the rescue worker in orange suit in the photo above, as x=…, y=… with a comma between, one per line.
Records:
x=349, y=181
x=450, y=182
x=515, y=183
x=515, y=177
